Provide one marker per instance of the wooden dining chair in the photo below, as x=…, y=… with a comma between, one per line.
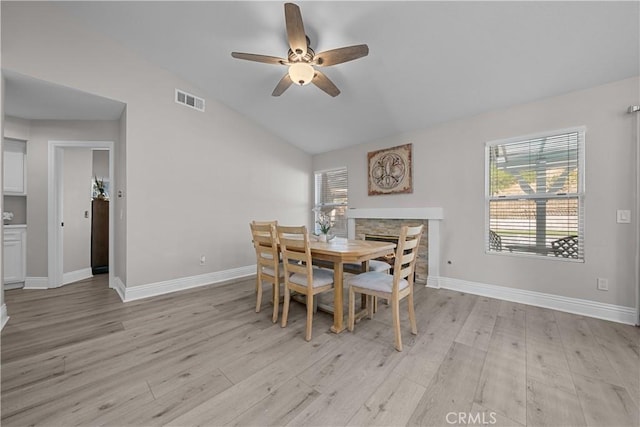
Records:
x=269, y=267
x=374, y=265
x=393, y=287
x=300, y=274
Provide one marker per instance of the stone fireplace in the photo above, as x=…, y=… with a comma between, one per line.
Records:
x=367, y=227
x=388, y=221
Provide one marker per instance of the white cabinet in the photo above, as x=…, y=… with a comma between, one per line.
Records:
x=15, y=176
x=15, y=253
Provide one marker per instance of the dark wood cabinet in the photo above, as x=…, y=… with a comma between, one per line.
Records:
x=99, y=236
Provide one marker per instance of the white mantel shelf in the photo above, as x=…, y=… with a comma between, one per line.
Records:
x=432, y=215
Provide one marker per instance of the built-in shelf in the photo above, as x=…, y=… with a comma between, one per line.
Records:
x=14, y=226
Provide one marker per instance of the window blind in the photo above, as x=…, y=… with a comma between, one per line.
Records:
x=534, y=195
x=331, y=197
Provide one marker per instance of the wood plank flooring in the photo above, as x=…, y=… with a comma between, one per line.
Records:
x=77, y=355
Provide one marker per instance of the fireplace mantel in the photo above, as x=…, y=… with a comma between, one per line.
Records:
x=432, y=215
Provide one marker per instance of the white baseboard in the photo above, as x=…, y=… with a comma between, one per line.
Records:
x=159, y=288
x=75, y=276
x=614, y=313
x=4, y=317
x=119, y=286
x=36, y=283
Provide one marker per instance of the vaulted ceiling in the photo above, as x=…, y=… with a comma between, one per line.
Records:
x=429, y=62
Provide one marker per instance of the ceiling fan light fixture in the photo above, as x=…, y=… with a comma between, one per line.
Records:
x=301, y=73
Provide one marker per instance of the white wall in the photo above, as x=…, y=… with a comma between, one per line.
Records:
x=3, y=308
x=120, y=202
x=193, y=180
x=76, y=177
x=448, y=163
x=17, y=128
x=100, y=161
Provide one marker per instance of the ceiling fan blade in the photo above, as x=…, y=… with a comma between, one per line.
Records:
x=295, y=29
x=282, y=85
x=260, y=58
x=325, y=84
x=340, y=55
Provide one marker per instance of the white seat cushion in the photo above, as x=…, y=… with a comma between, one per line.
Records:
x=376, y=281
x=375, y=265
x=270, y=272
x=321, y=277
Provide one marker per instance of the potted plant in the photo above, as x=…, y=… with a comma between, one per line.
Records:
x=100, y=188
x=325, y=223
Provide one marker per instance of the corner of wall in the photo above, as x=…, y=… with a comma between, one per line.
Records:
x=4, y=317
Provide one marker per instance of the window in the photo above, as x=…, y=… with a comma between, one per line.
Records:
x=534, y=195
x=331, y=198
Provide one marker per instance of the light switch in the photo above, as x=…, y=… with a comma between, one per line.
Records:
x=623, y=216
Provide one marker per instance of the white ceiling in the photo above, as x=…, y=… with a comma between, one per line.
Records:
x=429, y=62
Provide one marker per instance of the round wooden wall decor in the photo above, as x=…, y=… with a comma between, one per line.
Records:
x=390, y=170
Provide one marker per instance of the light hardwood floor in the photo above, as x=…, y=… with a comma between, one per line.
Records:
x=78, y=356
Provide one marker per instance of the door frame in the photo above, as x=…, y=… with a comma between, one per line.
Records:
x=54, y=206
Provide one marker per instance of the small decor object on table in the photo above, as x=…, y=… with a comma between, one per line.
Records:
x=7, y=216
x=324, y=221
x=99, y=188
x=390, y=171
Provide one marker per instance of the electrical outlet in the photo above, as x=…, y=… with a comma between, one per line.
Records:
x=603, y=284
x=202, y=259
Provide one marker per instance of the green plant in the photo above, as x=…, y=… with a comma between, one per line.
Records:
x=99, y=185
x=324, y=221
x=500, y=179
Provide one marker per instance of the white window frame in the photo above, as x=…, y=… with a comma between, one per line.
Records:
x=580, y=195
x=329, y=208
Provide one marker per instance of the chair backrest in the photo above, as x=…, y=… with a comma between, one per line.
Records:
x=406, y=254
x=265, y=242
x=296, y=254
x=274, y=222
x=495, y=241
x=567, y=247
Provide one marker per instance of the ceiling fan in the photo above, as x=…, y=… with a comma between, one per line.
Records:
x=301, y=59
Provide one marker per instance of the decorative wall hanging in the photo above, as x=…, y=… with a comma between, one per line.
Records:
x=390, y=171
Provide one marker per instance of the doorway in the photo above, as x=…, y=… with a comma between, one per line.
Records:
x=56, y=209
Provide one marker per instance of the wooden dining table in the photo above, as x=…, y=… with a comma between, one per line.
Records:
x=339, y=251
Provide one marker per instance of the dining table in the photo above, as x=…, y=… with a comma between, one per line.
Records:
x=340, y=251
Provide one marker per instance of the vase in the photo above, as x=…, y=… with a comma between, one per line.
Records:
x=322, y=237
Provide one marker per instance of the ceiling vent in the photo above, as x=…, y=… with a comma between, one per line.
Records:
x=189, y=100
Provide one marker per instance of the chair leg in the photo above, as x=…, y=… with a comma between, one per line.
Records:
x=276, y=301
x=285, y=306
x=370, y=302
x=309, y=317
x=412, y=314
x=375, y=304
x=395, y=314
x=259, y=297
x=352, y=310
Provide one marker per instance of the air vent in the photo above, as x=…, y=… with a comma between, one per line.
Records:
x=189, y=100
